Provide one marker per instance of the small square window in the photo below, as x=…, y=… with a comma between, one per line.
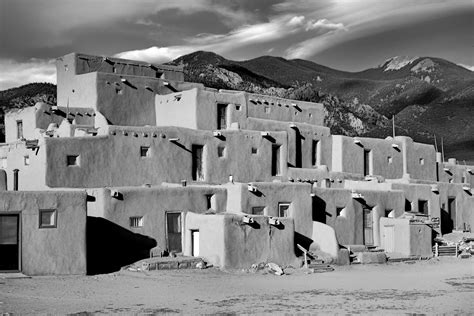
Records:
x=267, y=109
x=423, y=207
x=422, y=161
x=339, y=210
x=144, y=151
x=72, y=160
x=258, y=210
x=389, y=213
x=254, y=150
x=237, y=107
x=47, y=219
x=389, y=159
x=283, y=209
x=221, y=151
x=136, y=221
x=26, y=160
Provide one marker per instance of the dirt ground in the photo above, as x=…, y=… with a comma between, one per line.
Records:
x=435, y=286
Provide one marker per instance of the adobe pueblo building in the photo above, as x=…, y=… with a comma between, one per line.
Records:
x=133, y=158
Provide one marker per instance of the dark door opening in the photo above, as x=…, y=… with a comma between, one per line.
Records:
x=197, y=164
x=221, y=116
x=368, y=227
x=173, y=231
x=452, y=211
x=10, y=242
x=275, y=160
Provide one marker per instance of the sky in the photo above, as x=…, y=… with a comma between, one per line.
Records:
x=349, y=35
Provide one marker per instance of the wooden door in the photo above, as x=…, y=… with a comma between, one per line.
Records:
x=368, y=227
x=9, y=242
x=173, y=231
x=389, y=238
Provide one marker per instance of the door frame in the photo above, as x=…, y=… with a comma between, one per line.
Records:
x=192, y=242
x=18, y=213
x=166, y=227
x=364, y=226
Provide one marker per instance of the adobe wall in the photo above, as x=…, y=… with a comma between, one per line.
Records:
x=168, y=160
x=243, y=244
x=419, y=159
x=279, y=109
x=464, y=201
x=387, y=156
x=269, y=195
x=30, y=176
x=152, y=203
x=59, y=250
x=27, y=116
x=346, y=155
x=410, y=239
x=451, y=172
x=349, y=224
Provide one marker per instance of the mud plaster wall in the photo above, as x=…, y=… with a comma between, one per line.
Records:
x=60, y=250
x=387, y=161
x=410, y=239
x=27, y=116
x=420, y=159
x=347, y=156
x=456, y=173
x=464, y=204
x=153, y=203
x=167, y=161
x=269, y=195
x=30, y=176
x=244, y=244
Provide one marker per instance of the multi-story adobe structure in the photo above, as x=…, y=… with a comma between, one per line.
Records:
x=132, y=157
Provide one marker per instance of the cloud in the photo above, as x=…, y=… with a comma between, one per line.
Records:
x=324, y=24
x=277, y=28
x=471, y=68
x=13, y=74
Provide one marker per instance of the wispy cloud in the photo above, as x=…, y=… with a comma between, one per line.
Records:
x=14, y=73
x=275, y=29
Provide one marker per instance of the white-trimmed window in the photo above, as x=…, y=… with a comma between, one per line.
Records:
x=283, y=209
x=221, y=151
x=136, y=221
x=48, y=218
x=26, y=160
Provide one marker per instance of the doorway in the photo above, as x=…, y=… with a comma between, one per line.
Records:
x=221, y=116
x=10, y=242
x=173, y=231
x=452, y=211
x=195, y=242
x=368, y=227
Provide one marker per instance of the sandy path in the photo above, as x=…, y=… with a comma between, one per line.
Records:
x=435, y=286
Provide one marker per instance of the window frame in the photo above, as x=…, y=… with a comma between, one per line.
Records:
x=287, y=204
x=147, y=152
x=55, y=218
x=139, y=220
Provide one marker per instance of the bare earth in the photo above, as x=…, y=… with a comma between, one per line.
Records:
x=444, y=285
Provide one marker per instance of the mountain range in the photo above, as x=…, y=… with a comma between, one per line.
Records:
x=429, y=98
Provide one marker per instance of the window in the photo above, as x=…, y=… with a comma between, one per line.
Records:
x=26, y=160
x=389, y=159
x=423, y=207
x=422, y=161
x=367, y=162
x=258, y=210
x=275, y=160
x=254, y=150
x=220, y=151
x=339, y=210
x=237, y=107
x=221, y=116
x=267, y=109
x=136, y=221
x=197, y=163
x=144, y=151
x=407, y=206
x=47, y=218
x=283, y=209
x=19, y=129
x=209, y=200
x=72, y=160
x=389, y=213
x=316, y=153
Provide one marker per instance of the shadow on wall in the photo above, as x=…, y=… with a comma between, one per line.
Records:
x=319, y=210
x=110, y=246
x=303, y=241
